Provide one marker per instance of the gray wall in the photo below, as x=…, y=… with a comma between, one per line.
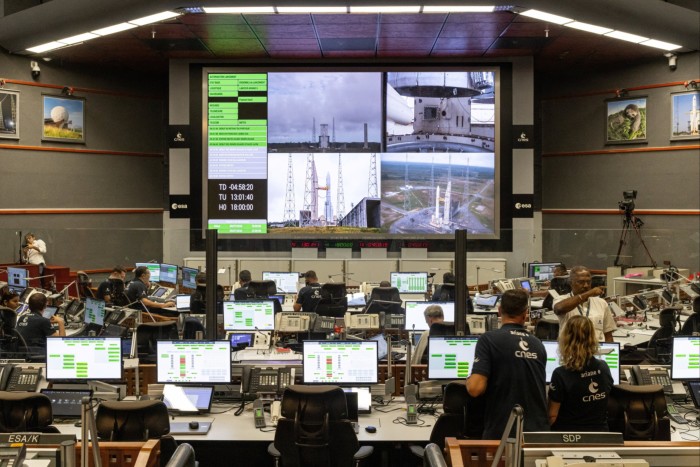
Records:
x=666, y=179
x=133, y=121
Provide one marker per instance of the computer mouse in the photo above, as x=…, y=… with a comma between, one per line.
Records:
x=371, y=429
x=194, y=425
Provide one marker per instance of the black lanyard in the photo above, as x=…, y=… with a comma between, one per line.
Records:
x=588, y=309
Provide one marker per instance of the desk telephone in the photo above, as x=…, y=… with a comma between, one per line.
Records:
x=71, y=308
x=270, y=380
x=16, y=378
x=651, y=376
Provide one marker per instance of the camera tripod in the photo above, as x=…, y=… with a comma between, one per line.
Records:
x=630, y=221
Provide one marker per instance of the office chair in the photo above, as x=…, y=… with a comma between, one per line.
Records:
x=84, y=283
x=659, y=347
x=638, y=412
x=547, y=330
x=25, y=411
x=8, y=320
x=433, y=456
x=261, y=289
x=599, y=280
x=445, y=294
x=333, y=301
x=691, y=327
x=560, y=284
x=456, y=421
x=314, y=430
x=190, y=327
x=183, y=457
x=136, y=421
x=386, y=299
x=446, y=329
x=147, y=334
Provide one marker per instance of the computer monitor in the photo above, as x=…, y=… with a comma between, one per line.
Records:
x=189, y=276
x=182, y=302
x=450, y=357
x=72, y=359
x=249, y=315
x=350, y=363
x=410, y=282
x=17, y=278
x=541, y=271
x=94, y=311
x=286, y=282
x=193, y=362
x=415, y=319
x=608, y=351
x=685, y=359
x=153, y=268
x=168, y=273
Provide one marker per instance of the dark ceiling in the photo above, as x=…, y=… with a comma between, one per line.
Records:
x=355, y=37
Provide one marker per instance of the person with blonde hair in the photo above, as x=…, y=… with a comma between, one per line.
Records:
x=580, y=387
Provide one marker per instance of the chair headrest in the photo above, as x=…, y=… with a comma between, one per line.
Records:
x=22, y=411
x=132, y=420
x=314, y=402
x=455, y=398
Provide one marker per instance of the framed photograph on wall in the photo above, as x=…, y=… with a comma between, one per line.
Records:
x=626, y=120
x=64, y=119
x=9, y=114
x=685, y=115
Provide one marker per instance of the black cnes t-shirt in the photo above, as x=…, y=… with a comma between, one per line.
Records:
x=309, y=296
x=583, y=396
x=514, y=362
x=34, y=329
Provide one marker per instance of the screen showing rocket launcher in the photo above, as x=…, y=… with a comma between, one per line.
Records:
x=450, y=357
x=196, y=362
x=249, y=315
x=410, y=282
x=83, y=358
x=340, y=362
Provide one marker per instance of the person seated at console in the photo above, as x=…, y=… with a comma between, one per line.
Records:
x=580, y=388
x=448, y=295
x=138, y=290
x=111, y=290
x=432, y=314
x=198, y=299
x=242, y=292
x=8, y=314
x=34, y=328
x=310, y=294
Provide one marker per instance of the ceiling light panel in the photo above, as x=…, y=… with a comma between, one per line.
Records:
x=385, y=9
x=241, y=9
x=550, y=18
x=624, y=36
x=113, y=29
x=588, y=27
x=660, y=45
x=457, y=9
x=162, y=16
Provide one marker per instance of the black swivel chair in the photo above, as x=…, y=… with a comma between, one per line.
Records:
x=385, y=299
x=25, y=412
x=183, y=457
x=314, y=430
x=446, y=329
x=659, y=346
x=560, y=284
x=333, y=301
x=547, y=330
x=460, y=419
x=136, y=421
x=147, y=334
x=638, y=412
x=259, y=290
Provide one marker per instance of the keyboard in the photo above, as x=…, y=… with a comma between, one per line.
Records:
x=264, y=354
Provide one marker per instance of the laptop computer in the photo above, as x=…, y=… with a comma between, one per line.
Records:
x=485, y=302
x=182, y=302
x=66, y=403
x=188, y=399
x=694, y=390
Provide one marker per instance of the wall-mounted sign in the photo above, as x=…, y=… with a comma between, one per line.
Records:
x=179, y=136
x=179, y=206
x=523, y=206
x=523, y=136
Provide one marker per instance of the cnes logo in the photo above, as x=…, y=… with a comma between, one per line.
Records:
x=524, y=351
x=595, y=395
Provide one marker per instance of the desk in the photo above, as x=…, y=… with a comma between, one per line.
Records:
x=620, y=284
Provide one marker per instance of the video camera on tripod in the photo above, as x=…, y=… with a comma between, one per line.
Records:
x=627, y=204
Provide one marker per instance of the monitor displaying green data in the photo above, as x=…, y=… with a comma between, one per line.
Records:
x=451, y=357
x=607, y=351
x=83, y=358
x=249, y=315
x=685, y=363
x=195, y=362
x=351, y=363
x=410, y=282
x=94, y=311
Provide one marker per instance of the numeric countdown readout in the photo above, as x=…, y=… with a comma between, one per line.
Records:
x=237, y=152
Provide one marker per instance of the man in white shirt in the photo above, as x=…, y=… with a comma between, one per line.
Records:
x=33, y=252
x=432, y=314
x=585, y=301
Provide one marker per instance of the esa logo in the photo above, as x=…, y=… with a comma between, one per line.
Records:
x=524, y=351
x=523, y=206
x=176, y=206
x=595, y=395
